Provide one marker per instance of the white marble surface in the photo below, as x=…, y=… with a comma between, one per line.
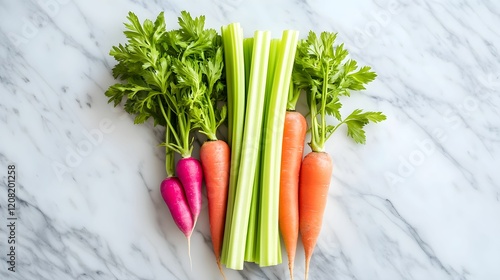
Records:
x=420, y=201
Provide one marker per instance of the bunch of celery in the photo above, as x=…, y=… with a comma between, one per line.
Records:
x=258, y=72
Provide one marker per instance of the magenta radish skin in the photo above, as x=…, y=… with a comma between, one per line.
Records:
x=173, y=194
x=189, y=172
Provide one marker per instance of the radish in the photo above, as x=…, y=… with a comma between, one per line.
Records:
x=190, y=174
x=173, y=195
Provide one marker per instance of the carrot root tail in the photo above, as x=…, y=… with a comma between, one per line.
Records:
x=307, y=268
x=290, y=268
x=219, y=265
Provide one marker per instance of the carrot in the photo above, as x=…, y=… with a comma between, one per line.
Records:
x=315, y=174
x=294, y=134
x=325, y=73
x=215, y=160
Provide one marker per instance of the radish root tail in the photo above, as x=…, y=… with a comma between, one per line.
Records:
x=194, y=224
x=189, y=252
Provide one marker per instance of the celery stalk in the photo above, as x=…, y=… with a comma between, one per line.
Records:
x=247, y=53
x=250, y=246
x=232, y=38
x=269, y=84
x=250, y=151
x=270, y=250
x=252, y=249
x=251, y=252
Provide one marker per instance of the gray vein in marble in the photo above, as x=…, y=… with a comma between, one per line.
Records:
x=465, y=172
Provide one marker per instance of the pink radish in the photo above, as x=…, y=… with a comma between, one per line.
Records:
x=190, y=173
x=173, y=195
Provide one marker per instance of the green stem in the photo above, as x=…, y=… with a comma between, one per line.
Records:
x=324, y=92
x=314, y=124
x=181, y=144
x=212, y=127
x=169, y=124
x=169, y=153
x=169, y=156
x=293, y=97
x=184, y=128
x=337, y=126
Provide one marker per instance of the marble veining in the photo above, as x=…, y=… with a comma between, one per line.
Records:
x=420, y=201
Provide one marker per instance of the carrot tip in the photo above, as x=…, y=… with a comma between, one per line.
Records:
x=307, y=269
x=219, y=265
x=290, y=268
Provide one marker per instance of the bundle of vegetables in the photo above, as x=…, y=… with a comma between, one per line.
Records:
x=258, y=185
x=176, y=77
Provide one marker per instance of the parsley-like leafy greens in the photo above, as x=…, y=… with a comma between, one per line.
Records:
x=174, y=77
x=324, y=72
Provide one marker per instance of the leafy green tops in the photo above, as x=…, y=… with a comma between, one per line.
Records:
x=325, y=73
x=178, y=71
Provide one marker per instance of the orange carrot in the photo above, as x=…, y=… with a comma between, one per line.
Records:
x=315, y=174
x=327, y=74
x=215, y=161
x=294, y=134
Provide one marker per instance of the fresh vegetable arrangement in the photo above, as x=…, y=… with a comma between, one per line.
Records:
x=192, y=80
